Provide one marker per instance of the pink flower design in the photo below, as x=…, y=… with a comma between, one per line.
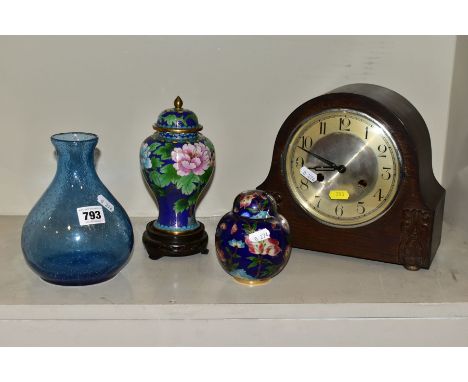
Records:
x=268, y=246
x=246, y=200
x=189, y=158
x=233, y=229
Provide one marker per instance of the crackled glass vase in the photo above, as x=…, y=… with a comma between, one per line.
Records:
x=77, y=233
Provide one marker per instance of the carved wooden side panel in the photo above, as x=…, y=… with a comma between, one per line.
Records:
x=415, y=238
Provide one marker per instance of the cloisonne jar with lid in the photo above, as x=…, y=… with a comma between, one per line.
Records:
x=253, y=240
x=177, y=163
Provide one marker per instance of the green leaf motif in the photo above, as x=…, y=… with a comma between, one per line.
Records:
x=172, y=120
x=181, y=205
x=168, y=175
x=155, y=178
x=153, y=146
x=205, y=177
x=188, y=183
x=159, y=191
x=193, y=199
x=164, y=151
x=249, y=228
x=208, y=144
x=156, y=162
x=252, y=265
x=270, y=269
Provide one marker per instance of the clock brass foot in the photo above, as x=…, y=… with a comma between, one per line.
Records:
x=160, y=243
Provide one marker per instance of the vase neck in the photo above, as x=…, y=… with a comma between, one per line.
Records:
x=75, y=154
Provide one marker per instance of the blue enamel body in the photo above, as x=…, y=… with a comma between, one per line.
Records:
x=248, y=260
x=177, y=165
x=177, y=119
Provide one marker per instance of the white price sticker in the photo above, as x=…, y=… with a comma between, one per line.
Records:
x=308, y=174
x=90, y=215
x=102, y=200
x=261, y=234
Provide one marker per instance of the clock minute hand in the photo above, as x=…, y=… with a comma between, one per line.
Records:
x=339, y=168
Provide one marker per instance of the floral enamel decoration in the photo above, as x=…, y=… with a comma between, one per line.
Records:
x=145, y=156
x=177, y=163
x=190, y=158
x=233, y=229
x=246, y=200
x=268, y=246
x=187, y=167
x=244, y=250
x=236, y=243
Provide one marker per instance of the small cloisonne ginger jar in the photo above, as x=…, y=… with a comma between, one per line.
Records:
x=253, y=240
x=177, y=163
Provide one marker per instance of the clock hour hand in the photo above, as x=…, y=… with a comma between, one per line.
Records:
x=339, y=168
x=322, y=168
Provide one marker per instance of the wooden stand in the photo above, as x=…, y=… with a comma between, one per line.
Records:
x=160, y=243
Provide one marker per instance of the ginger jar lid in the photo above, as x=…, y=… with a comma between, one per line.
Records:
x=177, y=119
x=255, y=204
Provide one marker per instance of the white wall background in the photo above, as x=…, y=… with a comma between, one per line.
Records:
x=242, y=89
x=455, y=175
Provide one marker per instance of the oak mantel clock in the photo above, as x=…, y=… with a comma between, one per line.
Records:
x=352, y=173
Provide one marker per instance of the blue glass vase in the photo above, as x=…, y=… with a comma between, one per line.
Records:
x=77, y=233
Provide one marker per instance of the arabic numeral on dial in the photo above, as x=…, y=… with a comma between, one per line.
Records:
x=299, y=162
x=378, y=194
x=339, y=210
x=360, y=208
x=305, y=142
x=318, y=202
x=386, y=175
x=382, y=150
x=304, y=184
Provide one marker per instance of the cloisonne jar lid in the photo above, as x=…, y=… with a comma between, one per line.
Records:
x=255, y=204
x=177, y=119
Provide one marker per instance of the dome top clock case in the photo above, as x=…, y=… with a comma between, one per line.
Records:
x=352, y=173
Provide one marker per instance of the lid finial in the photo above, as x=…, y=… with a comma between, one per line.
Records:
x=178, y=103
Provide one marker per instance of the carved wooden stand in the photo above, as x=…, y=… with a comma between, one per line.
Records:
x=159, y=243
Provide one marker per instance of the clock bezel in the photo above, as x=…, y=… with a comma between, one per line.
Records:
x=303, y=204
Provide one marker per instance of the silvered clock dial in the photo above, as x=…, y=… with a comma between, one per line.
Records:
x=343, y=167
